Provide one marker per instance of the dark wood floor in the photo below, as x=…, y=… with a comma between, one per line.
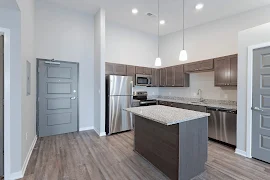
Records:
x=85, y=156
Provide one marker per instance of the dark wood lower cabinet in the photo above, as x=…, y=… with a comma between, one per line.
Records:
x=179, y=151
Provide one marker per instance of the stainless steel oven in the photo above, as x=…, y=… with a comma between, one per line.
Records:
x=143, y=80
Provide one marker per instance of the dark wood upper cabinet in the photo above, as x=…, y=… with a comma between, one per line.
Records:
x=148, y=71
x=131, y=70
x=139, y=70
x=155, y=77
x=109, y=67
x=206, y=65
x=226, y=71
x=169, y=76
x=233, y=73
x=162, y=80
x=120, y=69
x=181, y=79
x=143, y=70
x=115, y=69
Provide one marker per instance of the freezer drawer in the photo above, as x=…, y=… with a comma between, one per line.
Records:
x=222, y=125
x=117, y=119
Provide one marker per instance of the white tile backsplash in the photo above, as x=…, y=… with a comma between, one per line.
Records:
x=205, y=82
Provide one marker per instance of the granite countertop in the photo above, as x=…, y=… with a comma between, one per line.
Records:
x=166, y=115
x=213, y=104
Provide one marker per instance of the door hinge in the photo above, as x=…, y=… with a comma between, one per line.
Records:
x=38, y=99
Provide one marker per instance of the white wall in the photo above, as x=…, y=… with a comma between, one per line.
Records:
x=69, y=36
x=205, y=82
x=246, y=38
x=214, y=39
x=99, y=73
x=28, y=106
x=10, y=19
x=130, y=46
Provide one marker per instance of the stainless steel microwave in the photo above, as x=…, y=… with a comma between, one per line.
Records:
x=143, y=80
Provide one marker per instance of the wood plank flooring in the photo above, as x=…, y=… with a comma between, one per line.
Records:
x=85, y=156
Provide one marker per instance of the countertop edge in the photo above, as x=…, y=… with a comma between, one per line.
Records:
x=168, y=124
x=197, y=104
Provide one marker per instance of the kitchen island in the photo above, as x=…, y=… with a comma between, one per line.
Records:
x=174, y=140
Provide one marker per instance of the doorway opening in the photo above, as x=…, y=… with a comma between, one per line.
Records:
x=1, y=105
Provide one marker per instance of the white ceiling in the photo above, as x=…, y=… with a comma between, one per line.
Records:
x=170, y=10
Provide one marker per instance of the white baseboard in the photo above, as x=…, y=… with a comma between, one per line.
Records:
x=241, y=152
x=100, y=133
x=86, y=128
x=20, y=174
x=16, y=175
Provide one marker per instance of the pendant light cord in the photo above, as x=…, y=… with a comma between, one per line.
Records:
x=183, y=24
x=158, y=28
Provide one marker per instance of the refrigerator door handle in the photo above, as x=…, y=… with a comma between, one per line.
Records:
x=131, y=97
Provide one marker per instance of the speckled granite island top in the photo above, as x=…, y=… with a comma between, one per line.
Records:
x=166, y=115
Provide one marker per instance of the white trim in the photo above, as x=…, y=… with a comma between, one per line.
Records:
x=16, y=175
x=249, y=95
x=7, y=119
x=100, y=133
x=29, y=155
x=86, y=128
x=240, y=152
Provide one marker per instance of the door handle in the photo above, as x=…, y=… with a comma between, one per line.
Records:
x=73, y=98
x=256, y=109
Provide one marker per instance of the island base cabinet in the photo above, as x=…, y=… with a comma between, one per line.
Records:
x=179, y=151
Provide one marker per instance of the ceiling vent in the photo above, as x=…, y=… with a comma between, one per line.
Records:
x=151, y=15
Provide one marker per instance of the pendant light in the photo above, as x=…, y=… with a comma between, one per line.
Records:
x=183, y=53
x=158, y=60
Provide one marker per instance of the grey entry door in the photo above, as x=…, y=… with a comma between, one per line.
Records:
x=261, y=105
x=1, y=105
x=57, y=97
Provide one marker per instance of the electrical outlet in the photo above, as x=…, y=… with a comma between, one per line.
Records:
x=26, y=136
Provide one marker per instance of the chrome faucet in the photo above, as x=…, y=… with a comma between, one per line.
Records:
x=200, y=93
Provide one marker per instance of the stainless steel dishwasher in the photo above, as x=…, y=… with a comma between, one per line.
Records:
x=222, y=125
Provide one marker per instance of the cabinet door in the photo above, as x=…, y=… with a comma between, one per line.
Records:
x=222, y=71
x=155, y=77
x=162, y=77
x=190, y=67
x=169, y=76
x=139, y=70
x=206, y=65
x=120, y=69
x=179, y=75
x=109, y=68
x=147, y=71
x=131, y=71
x=233, y=72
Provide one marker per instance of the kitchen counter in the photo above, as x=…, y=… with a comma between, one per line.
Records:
x=212, y=103
x=174, y=140
x=166, y=115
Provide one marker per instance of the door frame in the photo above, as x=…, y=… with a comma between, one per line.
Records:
x=6, y=33
x=249, y=95
x=78, y=91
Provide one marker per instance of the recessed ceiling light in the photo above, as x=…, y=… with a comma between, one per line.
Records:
x=135, y=11
x=162, y=22
x=199, y=6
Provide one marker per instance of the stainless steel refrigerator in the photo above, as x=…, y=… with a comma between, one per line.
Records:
x=119, y=95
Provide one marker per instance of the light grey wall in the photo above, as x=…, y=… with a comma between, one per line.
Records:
x=99, y=72
x=246, y=38
x=11, y=19
x=28, y=116
x=68, y=35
